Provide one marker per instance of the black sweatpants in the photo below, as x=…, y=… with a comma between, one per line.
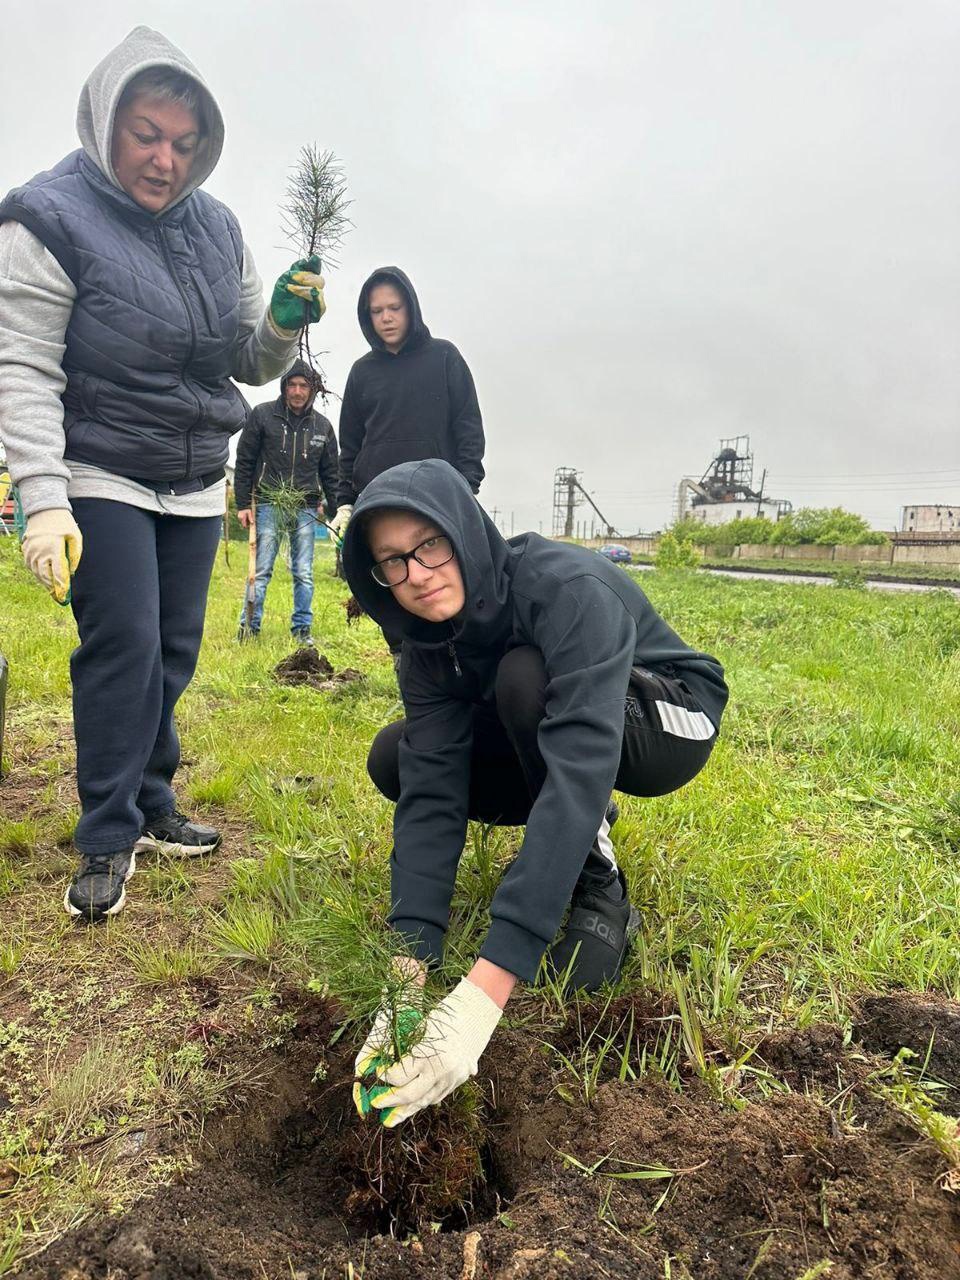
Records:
x=139, y=596
x=667, y=740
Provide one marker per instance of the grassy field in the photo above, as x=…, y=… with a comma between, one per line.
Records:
x=814, y=860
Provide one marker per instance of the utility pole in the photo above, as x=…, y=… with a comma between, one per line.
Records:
x=760, y=494
x=493, y=515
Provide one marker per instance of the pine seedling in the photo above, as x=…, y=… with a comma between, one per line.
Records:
x=357, y=958
x=314, y=219
x=287, y=502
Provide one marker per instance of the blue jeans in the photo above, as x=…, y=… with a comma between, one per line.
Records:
x=301, y=565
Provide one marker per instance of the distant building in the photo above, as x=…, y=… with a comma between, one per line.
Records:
x=928, y=517
x=735, y=509
x=725, y=491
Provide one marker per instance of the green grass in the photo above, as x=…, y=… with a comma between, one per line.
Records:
x=815, y=857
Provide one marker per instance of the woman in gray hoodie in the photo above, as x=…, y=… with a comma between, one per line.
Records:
x=128, y=303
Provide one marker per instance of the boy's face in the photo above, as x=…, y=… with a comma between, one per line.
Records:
x=436, y=595
x=389, y=315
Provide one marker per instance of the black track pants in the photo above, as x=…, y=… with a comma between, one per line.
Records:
x=139, y=597
x=666, y=742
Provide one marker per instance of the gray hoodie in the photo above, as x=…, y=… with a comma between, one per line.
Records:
x=37, y=297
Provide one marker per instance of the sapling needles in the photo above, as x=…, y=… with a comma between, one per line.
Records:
x=314, y=219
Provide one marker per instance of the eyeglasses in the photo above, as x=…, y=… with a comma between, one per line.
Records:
x=431, y=554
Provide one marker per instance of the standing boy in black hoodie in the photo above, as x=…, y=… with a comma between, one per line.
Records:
x=410, y=397
x=285, y=441
x=536, y=677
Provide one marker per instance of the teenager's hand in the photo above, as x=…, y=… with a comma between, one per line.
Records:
x=52, y=546
x=300, y=284
x=448, y=1053
x=339, y=522
x=245, y=517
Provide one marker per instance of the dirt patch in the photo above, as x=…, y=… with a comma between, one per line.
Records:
x=306, y=666
x=775, y=1185
x=353, y=609
x=928, y=1025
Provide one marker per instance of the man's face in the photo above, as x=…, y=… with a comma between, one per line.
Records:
x=436, y=595
x=153, y=150
x=389, y=315
x=296, y=393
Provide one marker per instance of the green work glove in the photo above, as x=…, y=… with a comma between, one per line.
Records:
x=377, y=1052
x=298, y=296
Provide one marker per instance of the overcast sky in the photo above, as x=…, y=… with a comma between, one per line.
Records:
x=645, y=225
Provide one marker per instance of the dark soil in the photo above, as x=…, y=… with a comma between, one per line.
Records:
x=306, y=666
x=768, y=1189
x=927, y=1025
x=353, y=609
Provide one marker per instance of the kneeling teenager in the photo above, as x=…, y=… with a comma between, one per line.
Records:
x=536, y=678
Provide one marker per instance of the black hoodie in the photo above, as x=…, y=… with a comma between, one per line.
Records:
x=592, y=623
x=419, y=403
x=297, y=449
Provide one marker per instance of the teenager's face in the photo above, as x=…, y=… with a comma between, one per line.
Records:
x=436, y=595
x=153, y=149
x=296, y=393
x=389, y=315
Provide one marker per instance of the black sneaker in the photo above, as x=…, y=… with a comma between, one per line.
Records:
x=175, y=833
x=99, y=887
x=303, y=638
x=601, y=926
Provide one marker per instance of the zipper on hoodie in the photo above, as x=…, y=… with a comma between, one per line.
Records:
x=451, y=649
x=168, y=260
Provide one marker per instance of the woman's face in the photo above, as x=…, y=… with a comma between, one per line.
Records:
x=154, y=146
x=437, y=595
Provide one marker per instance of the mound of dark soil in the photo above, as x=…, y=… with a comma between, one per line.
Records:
x=306, y=666
x=927, y=1025
x=770, y=1189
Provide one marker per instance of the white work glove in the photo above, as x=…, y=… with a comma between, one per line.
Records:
x=52, y=546
x=339, y=522
x=455, y=1035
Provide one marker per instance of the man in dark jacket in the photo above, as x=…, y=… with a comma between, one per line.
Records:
x=536, y=677
x=410, y=397
x=286, y=442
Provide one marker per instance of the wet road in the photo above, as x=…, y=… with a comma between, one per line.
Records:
x=815, y=579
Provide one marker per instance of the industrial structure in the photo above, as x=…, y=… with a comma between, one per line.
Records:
x=568, y=494
x=725, y=491
x=929, y=517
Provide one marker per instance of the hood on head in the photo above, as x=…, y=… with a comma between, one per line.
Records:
x=399, y=279
x=436, y=490
x=141, y=50
x=300, y=369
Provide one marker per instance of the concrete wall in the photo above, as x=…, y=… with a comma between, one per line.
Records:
x=894, y=553
x=645, y=546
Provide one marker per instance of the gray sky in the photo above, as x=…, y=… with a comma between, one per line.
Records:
x=646, y=225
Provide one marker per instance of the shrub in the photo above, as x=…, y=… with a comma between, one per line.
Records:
x=675, y=553
x=826, y=527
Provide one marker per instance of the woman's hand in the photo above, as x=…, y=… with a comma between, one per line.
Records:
x=298, y=296
x=52, y=546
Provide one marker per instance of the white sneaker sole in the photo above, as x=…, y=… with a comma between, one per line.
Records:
x=148, y=844
x=110, y=911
